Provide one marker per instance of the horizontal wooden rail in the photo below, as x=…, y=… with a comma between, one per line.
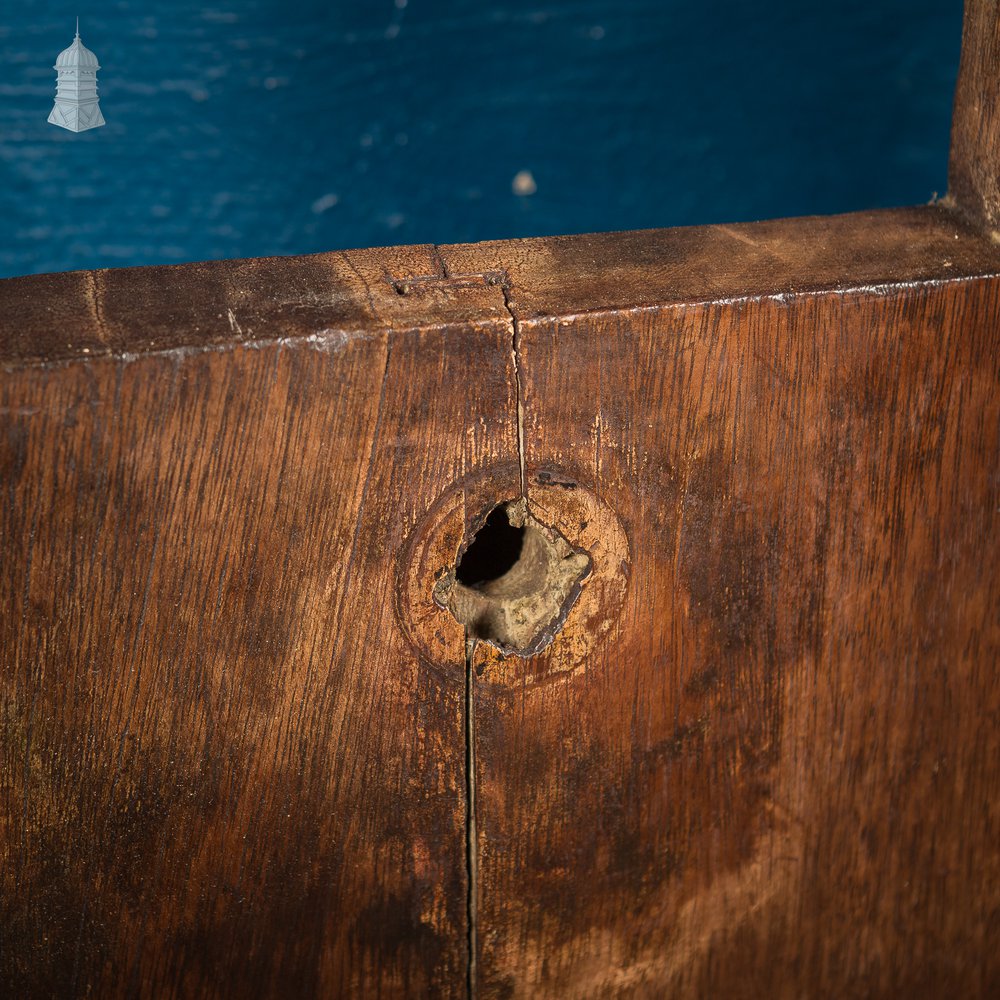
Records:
x=328, y=297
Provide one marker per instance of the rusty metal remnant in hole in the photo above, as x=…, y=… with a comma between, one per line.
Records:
x=524, y=583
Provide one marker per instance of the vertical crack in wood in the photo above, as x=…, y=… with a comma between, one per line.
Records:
x=94, y=300
x=501, y=279
x=519, y=396
x=441, y=262
x=471, y=846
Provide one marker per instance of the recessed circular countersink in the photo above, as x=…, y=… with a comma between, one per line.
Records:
x=535, y=581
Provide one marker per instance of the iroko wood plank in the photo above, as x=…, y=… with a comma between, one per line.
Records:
x=243, y=751
x=778, y=772
x=223, y=771
x=974, y=166
x=571, y=275
x=760, y=754
x=139, y=310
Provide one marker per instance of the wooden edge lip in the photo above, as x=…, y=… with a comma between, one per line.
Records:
x=325, y=300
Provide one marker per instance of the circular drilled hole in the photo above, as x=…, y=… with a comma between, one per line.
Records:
x=493, y=551
x=514, y=582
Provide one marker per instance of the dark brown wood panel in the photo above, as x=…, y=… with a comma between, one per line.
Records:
x=223, y=769
x=974, y=167
x=778, y=773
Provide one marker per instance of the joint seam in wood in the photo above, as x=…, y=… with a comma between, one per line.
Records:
x=477, y=279
x=471, y=845
x=518, y=390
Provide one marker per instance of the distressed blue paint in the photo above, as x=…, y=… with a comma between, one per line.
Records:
x=259, y=127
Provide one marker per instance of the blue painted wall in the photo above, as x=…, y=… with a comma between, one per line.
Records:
x=265, y=127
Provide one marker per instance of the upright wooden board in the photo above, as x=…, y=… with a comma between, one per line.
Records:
x=223, y=769
x=974, y=166
x=774, y=768
x=778, y=772
x=244, y=753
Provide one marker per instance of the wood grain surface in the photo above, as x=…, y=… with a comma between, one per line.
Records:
x=774, y=768
x=779, y=773
x=974, y=167
x=243, y=752
x=223, y=772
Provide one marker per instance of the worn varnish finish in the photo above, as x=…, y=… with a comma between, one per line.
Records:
x=225, y=769
x=974, y=168
x=779, y=773
x=760, y=758
x=223, y=772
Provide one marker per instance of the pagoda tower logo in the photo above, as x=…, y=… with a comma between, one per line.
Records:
x=76, y=106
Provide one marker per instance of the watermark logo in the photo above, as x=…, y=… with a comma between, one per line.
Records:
x=76, y=106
